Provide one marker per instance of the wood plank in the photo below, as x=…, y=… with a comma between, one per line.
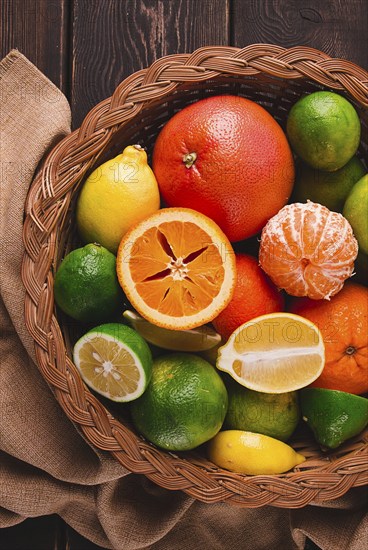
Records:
x=338, y=28
x=43, y=533
x=75, y=541
x=112, y=39
x=39, y=30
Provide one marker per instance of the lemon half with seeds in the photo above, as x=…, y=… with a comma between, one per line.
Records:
x=115, y=361
x=274, y=353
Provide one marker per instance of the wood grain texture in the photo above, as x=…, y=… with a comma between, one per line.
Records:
x=38, y=29
x=75, y=541
x=336, y=27
x=112, y=39
x=89, y=46
x=44, y=533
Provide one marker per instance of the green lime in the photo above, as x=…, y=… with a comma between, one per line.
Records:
x=334, y=416
x=324, y=130
x=275, y=415
x=327, y=188
x=86, y=286
x=115, y=361
x=356, y=212
x=184, y=405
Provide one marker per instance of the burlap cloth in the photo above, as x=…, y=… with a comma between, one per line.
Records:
x=46, y=467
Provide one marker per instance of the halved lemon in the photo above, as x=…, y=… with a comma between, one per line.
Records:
x=115, y=361
x=177, y=268
x=274, y=353
x=195, y=339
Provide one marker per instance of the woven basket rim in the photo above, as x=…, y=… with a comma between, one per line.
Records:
x=47, y=206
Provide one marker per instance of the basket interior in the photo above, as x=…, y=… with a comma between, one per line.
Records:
x=276, y=96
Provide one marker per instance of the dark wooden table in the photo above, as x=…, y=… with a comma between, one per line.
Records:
x=86, y=47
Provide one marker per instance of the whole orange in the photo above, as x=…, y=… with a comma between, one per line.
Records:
x=254, y=295
x=228, y=158
x=343, y=322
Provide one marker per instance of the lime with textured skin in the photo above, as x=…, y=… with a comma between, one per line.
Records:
x=86, y=286
x=324, y=130
x=327, y=188
x=333, y=416
x=184, y=405
x=251, y=453
x=356, y=212
x=115, y=361
x=275, y=415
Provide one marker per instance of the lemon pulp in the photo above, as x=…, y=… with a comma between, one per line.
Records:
x=114, y=361
x=274, y=353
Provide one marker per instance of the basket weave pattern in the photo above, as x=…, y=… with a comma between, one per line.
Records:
x=140, y=105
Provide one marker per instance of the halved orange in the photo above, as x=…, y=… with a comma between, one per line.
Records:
x=177, y=268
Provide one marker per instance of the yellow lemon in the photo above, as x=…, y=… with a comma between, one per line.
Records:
x=274, y=353
x=117, y=195
x=191, y=340
x=251, y=453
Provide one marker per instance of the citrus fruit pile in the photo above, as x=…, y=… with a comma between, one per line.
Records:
x=211, y=282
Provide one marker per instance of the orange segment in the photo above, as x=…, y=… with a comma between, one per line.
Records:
x=177, y=268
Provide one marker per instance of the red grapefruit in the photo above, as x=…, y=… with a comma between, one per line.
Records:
x=228, y=158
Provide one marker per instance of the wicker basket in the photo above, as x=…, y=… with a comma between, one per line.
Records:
x=273, y=76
